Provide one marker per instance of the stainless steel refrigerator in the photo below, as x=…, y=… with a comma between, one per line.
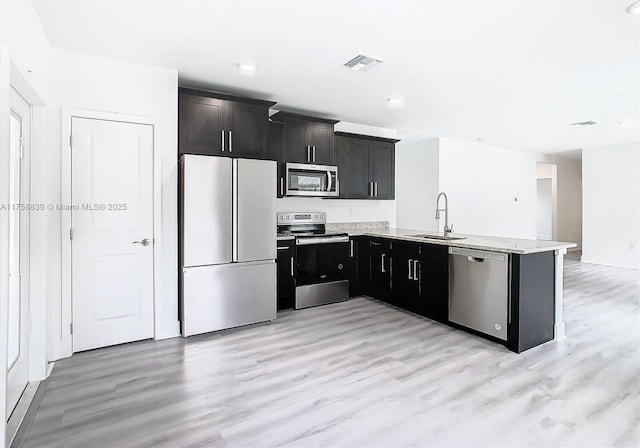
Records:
x=228, y=243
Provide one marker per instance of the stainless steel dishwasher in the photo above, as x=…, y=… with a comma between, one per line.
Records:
x=479, y=290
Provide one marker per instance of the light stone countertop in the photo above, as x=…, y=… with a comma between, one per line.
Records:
x=489, y=243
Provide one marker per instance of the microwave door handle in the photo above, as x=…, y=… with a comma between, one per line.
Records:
x=329, y=181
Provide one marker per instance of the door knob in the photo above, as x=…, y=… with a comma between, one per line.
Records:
x=144, y=242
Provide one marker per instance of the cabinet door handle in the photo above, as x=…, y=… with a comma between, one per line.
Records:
x=230, y=142
x=375, y=189
x=281, y=186
x=382, y=270
x=222, y=132
x=351, y=248
x=370, y=189
x=314, y=153
x=415, y=270
x=410, y=274
x=292, y=273
x=308, y=153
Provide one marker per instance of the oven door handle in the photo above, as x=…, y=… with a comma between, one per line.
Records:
x=327, y=240
x=328, y=181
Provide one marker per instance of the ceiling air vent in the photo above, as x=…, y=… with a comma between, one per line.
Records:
x=362, y=61
x=584, y=123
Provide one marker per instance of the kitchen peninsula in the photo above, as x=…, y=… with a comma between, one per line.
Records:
x=415, y=270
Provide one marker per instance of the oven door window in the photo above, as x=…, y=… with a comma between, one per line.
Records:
x=303, y=180
x=321, y=263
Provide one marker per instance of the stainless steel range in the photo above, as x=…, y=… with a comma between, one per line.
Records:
x=322, y=257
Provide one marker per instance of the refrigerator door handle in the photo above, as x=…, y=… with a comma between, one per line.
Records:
x=234, y=210
x=222, y=146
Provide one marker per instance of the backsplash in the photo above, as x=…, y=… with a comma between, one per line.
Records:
x=347, y=226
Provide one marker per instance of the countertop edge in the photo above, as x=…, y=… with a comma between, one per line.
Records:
x=467, y=243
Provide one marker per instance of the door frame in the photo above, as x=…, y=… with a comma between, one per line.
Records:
x=64, y=347
x=24, y=227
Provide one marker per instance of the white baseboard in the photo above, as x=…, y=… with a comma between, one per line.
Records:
x=583, y=260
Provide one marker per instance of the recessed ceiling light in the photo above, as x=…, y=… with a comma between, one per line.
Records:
x=394, y=99
x=584, y=123
x=247, y=67
x=634, y=8
x=621, y=123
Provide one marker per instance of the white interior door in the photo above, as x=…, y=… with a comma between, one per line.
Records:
x=19, y=196
x=112, y=232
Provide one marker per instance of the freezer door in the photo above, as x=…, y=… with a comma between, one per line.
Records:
x=227, y=296
x=206, y=210
x=255, y=210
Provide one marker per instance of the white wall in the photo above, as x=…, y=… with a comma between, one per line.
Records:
x=342, y=210
x=568, y=198
x=417, y=184
x=548, y=171
x=24, y=62
x=491, y=190
x=356, y=128
x=611, y=205
x=544, y=209
x=99, y=84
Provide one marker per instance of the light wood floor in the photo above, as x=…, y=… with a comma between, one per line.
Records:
x=362, y=373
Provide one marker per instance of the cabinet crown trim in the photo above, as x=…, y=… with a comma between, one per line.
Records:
x=224, y=96
x=280, y=116
x=366, y=137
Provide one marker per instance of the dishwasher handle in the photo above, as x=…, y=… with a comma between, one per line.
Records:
x=479, y=256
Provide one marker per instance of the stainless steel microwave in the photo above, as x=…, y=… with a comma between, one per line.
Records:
x=311, y=180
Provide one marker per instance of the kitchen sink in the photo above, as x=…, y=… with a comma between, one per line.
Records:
x=438, y=236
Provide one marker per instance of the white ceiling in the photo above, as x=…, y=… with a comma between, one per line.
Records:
x=513, y=73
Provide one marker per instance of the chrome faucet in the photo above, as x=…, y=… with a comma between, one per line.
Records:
x=447, y=229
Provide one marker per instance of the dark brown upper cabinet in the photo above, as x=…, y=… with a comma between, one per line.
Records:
x=366, y=166
x=274, y=145
x=211, y=123
x=306, y=139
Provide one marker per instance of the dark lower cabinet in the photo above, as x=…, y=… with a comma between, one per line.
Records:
x=532, y=301
x=286, y=275
x=433, y=269
x=380, y=266
x=358, y=266
x=405, y=278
